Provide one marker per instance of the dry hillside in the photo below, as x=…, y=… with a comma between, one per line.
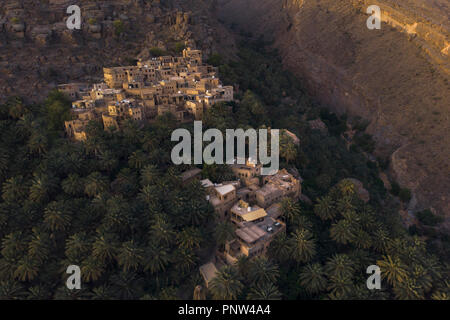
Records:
x=396, y=77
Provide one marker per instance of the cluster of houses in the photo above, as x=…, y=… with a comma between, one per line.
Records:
x=183, y=86
x=186, y=87
x=252, y=203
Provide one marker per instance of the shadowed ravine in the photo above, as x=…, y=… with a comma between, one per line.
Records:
x=396, y=77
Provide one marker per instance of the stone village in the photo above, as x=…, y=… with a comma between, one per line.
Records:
x=186, y=87
x=182, y=86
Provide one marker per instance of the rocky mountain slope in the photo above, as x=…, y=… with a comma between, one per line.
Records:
x=396, y=77
x=38, y=51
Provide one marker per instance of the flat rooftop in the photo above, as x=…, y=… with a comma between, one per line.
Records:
x=252, y=232
x=225, y=189
x=248, y=213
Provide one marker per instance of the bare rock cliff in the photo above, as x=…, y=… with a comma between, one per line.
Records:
x=396, y=77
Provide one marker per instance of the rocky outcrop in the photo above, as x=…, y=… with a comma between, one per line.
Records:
x=38, y=51
x=396, y=77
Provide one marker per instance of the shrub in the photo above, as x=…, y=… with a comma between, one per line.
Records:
x=405, y=195
x=119, y=27
x=365, y=142
x=215, y=60
x=15, y=20
x=427, y=217
x=395, y=188
x=92, y=21
x=179, y=47
x=157, y=52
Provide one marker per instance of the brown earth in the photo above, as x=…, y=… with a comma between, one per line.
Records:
x=396, y=77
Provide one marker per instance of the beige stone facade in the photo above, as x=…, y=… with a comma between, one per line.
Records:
x=183, y=86
x=253, y=205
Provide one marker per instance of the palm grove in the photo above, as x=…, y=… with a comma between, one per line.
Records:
x=115, y=206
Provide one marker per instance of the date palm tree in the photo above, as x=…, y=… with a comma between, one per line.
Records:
x=95, y=183
x=93, y=145
x=325, y=208
x=303, y=246
x=340, y=264
x=13, y=245
x=156, y=258
x=105, y=247
x=342, y=231
x=107, y=160
x=197, y=211
x=226, y=285
x=290, y=209
x=7, y=268
x=91, y=269
x=224, y=232
x=38, y=143
x=279, y=248
x=344, y=205
x=130, y=256
x=149, y=195
x=38, y=292
x=362, y=239
x=11, y=290
x=393, y=269
x=126, y=285
x=243, y=266
x=347, y=187
x=78, y=246
x=125, y=182
x=149, y=175
x=302, y=222
x=340, y=286
x=161, y=231
x=56, y=216
x=312, y=278
x=14, y=189
x=39, y=246
x=185, y=259
x=422, y=277
x=42, y=187
x=189, y=238
x=380, y=239
x=264, y=291
x=137, y=159
x=73, y=185
x=288, y=151
x=440, y=295
x=103, y=292
x=27, y=269
x=262, y=270
x=408, y=289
